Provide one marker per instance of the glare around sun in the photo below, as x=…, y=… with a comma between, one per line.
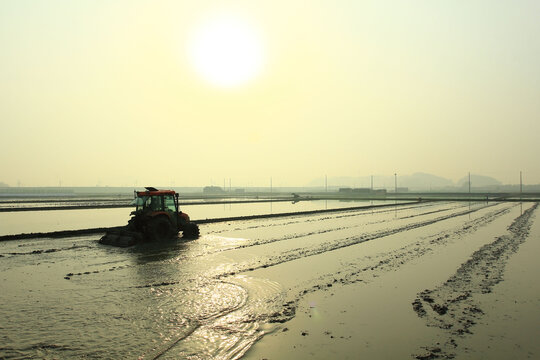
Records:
x=226, y=51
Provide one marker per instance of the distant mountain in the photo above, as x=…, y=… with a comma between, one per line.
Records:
x=340, y=181
x=423, y=181
x=379, y=181
x=478, y=181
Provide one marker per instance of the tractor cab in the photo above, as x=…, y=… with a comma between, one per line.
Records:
x=156, y=201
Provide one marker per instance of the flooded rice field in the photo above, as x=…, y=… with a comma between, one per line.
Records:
x=399, y=282
x=16, y=222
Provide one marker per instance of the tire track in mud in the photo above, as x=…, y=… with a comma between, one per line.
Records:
x=455, y=306
x=421, y=247
x=306, y=234
x=46, y=251
x=305, y=212
x=348, y=214
x=257, y=242
x=295, y=254
x=390, y=261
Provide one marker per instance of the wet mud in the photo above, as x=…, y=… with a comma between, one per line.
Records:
x=455, y=305
x=350, y=273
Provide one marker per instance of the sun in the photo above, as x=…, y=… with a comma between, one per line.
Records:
x=226, y=51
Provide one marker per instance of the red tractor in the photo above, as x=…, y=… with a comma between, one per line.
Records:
x=157, y=217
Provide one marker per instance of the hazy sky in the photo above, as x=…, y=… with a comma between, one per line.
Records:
x=111, y=93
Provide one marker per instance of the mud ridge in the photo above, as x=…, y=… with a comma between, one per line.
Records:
x=296, y=236
x=391, y=261
x=342, y=243
x=307, y=212
x=330, y=217
x=46, y=251
x=454, y=306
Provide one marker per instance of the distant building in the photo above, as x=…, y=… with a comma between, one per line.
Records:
x=212, y=190
x=363, y=191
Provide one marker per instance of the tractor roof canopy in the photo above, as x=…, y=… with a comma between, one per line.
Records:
x=155, y=193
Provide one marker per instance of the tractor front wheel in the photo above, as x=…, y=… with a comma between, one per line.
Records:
x=159, y=229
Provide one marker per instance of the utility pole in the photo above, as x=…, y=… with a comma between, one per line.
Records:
x=371, y=182
x=325, y=183
x=520, y=185
x=395, y=183
x=469, y=182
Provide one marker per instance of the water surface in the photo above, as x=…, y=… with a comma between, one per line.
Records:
x=214, y=297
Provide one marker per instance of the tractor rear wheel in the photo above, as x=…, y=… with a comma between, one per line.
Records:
x=191, y=231
x=158, y=229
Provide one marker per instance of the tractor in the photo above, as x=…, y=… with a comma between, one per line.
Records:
x=157, y=216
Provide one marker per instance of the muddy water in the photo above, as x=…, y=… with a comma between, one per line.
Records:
x=211, y=298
